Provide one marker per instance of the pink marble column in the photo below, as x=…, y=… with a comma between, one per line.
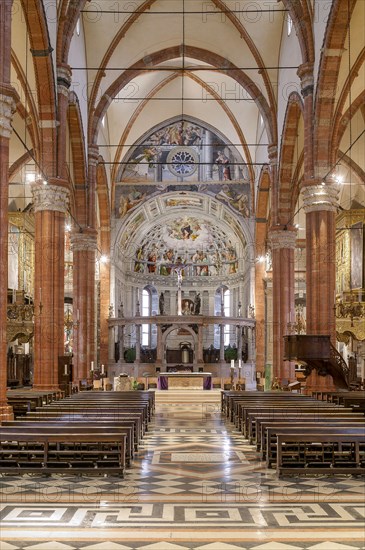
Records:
x=320, y=205
x=283, y=241
x=83, y=245
x=50, y=205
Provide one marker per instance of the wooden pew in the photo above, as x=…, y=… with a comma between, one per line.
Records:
x=304, y=432
x=77, y=427
x=256, y=423
x=336, y=445
x=50, y=452
x=268, y=427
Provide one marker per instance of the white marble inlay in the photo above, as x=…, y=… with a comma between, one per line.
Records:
x=198, y=457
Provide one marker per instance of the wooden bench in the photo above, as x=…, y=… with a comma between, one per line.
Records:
x=78, y=427
x=268, y=428
x=61, y=452
x=107, y=418
x=342, y=452
x=303, y=432
x=256, y=435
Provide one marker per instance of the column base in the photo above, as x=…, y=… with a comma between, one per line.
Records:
x=6, y=413
x=315, y=382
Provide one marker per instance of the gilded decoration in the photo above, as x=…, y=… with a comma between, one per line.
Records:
x=350, y=295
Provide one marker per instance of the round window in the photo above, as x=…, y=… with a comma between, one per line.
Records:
x=182, y=161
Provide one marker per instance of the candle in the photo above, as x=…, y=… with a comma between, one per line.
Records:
x=92, y=365
x=232, y=363
x=102, y=369
x=66, y=370
x=239, y=363
x=78, y=315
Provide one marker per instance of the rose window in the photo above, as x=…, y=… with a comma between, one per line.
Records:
x=182, y=161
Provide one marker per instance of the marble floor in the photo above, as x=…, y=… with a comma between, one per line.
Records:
x=195, y=484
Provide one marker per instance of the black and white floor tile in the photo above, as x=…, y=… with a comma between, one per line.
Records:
x=196, y=484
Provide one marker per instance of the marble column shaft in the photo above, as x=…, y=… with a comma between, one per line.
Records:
x=51, y=201
x=283, y=274
x=83, y=246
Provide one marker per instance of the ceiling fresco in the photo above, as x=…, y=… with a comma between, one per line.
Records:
x=235, y=195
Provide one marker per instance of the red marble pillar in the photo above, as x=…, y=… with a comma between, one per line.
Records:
x=64, y=78
x=320, y=205
x=104, y=276
x=93, y=159
x=50, y=205
x=283, y=245
x=83, y=246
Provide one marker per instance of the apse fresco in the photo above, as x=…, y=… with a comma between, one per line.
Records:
x=182, y=151
x=187, y=244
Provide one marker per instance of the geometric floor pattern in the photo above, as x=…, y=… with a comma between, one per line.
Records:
x=195, y=483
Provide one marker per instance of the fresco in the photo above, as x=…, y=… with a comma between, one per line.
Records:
x=182, y=151
x=202, y=248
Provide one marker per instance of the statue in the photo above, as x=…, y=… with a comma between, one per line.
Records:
x=161, y=303
x=120, y=310
x=197, y=303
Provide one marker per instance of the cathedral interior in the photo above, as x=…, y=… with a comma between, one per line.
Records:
x=182, y=206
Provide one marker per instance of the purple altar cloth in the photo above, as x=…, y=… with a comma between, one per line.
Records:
x=163, y=383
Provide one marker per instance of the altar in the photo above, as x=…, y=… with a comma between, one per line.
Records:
x=185, y=381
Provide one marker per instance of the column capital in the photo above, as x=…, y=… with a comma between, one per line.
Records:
x=8, y=101
x=84, y=241
x=50, y=197
x=64, y=78
x=320, y=197
x=305, y=73
x=283, y=236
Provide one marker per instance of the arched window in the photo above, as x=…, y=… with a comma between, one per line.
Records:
x=146, y=312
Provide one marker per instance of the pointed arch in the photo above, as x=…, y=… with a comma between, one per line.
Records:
x=289, y=140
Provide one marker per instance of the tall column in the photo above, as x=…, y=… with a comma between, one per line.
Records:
x=64, y=78
x=159, y=352
x=111, y=345
x=138, y=344
x=83, y=245
x=8, y=99
x=320, y=205
x=104, y=309
x=283, y=245
x=50, y=205
x=93, y=159
x=199, y=354
x=121, y=344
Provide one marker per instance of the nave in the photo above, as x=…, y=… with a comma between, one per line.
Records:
x=197, y=484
